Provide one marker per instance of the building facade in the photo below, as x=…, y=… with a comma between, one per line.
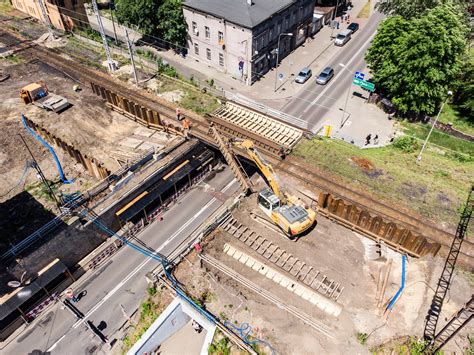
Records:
x=241, y=37
x=63, y=14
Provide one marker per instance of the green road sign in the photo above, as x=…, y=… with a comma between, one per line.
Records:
x=364, y=84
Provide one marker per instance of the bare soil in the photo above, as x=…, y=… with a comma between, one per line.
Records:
x=343, y=256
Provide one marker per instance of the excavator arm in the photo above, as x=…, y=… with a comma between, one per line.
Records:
x=265, y=168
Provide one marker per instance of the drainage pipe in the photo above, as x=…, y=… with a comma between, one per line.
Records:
x=402, y=286
x=58, y=164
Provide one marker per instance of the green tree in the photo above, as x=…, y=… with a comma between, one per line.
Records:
x=406, y=8
x=412, y=8
x=417, y=61
x=140, y=13
x=464, y=95
x=171, y=22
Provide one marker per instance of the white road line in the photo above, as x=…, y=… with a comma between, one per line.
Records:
x=139, y=267
x=339, y=74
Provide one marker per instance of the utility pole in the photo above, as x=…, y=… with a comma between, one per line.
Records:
x=450, y=93
x=278, y=56
x=40, y=173
x=112, y=8
x=46, y=17
x=129, y=45
x=104, y=39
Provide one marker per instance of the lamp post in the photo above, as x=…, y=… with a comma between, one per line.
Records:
x=432, y=126
x=347, y=97
x=278, y=56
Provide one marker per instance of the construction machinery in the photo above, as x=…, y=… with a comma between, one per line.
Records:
x=285, y=210
x=38, y=95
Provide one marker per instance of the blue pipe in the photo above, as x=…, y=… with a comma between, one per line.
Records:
x=58, y=164
x=402, y=286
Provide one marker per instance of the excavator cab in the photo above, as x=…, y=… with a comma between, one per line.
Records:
x=268, y=201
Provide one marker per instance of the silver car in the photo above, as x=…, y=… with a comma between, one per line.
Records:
x=326, y=75
x=303, y=75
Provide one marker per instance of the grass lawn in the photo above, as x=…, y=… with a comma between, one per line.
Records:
x=365, y=11
x=438, y=138
x=435, y=188
x=450, y=114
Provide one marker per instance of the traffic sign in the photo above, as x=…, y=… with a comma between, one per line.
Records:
x=364, y=84
x=359, y=75
x=368, y=86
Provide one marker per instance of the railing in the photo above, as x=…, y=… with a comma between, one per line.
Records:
x=292, y=120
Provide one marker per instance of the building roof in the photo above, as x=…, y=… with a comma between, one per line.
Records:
x=239, y=11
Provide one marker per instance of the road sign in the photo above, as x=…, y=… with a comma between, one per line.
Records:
x=368, y=86
x=364, y=84
x=359, y=75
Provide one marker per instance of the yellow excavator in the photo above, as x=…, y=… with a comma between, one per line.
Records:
x=287, y=211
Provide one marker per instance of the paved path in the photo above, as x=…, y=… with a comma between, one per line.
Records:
x=121, y=281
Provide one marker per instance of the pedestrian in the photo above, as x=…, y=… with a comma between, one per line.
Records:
x=367, y=139
x=376, y=139
x=347, y=17
x=178, y=113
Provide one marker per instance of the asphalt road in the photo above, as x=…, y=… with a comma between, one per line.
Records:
x=314, y=101
x=120, y=284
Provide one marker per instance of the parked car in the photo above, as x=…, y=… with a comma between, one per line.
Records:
x=326, y=75
x=343, y=37
x=353, y=27
x=303, y=75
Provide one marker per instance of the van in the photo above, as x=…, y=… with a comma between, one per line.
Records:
x=343, y=37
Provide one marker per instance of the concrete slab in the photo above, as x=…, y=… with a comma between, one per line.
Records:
x=130, y=143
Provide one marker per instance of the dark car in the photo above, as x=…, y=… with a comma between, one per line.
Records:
x=353, y=27
x=324, y=77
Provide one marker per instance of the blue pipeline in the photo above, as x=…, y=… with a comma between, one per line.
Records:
x=402, y=286
x=61, y=174
x=166, y=265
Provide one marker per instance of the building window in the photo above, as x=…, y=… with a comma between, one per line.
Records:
x=221, y=37
x=221, y=59
x=208, y=53
x=195, y=29
x=196, y=49
x=207, y=31
x=279, y=28
x=287, y=22
x=270, y=35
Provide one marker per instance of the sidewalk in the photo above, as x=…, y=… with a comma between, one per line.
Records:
x=314, y=53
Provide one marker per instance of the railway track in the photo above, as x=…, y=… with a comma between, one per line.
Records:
x=298, y=269
x=305, y=318
x=227, y=122
x=320, y=181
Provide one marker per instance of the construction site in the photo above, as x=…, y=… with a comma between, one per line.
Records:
x=311, y=265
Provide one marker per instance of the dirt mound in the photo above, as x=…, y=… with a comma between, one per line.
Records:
x=363, y=163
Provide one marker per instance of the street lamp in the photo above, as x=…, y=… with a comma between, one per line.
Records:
x=278, y=56
x=432, y=126
x=347, y=97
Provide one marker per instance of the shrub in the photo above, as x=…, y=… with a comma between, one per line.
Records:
x=407, y=144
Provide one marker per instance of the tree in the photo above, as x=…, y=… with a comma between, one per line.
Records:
x=464, y=95
x=171, y=22
x=417, y=61
x=140, y=13
x=406, y=8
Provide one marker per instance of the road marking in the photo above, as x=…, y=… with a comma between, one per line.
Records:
x=339, y=74
x=140, y=266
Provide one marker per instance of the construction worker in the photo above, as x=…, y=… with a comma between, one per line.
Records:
x=186, y=124
x=178, y=113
